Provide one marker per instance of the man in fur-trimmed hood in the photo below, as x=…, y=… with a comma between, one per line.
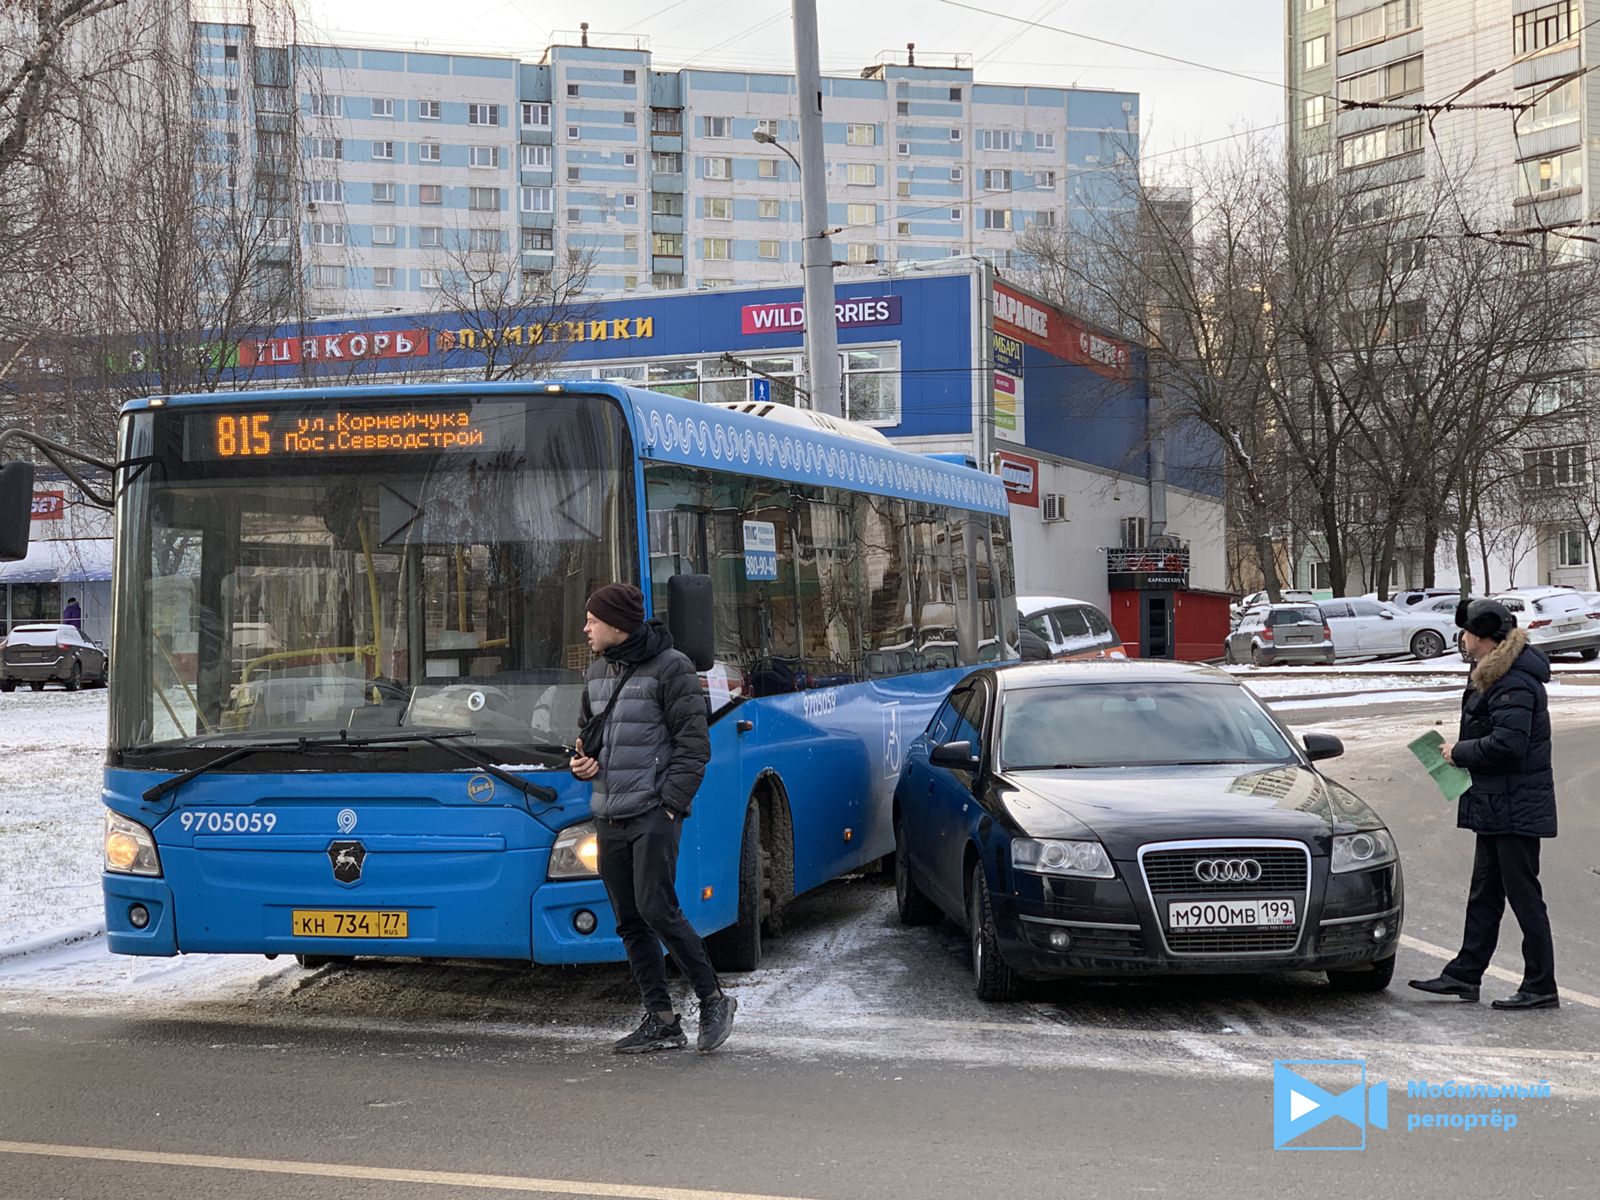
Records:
x=1505, y=744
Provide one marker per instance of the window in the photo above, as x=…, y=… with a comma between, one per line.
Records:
x=718, y=208
x=955, y=135
x=538, y=239
x=383, y=151
x=383, y=235
x=1385, y=142
x=718, y=249
x=872, y=384
x=630, y=241
x=630, y=159
x=1572, y=548
x=767, y=168
x=483, y=241
x=957, y=174
x=858, y=253
x=861, y=175
x=324, y=191
x=1557, y=467
x=276, y=229
x=536, y=158
x=767, y=248
x=630, y=200
x=995, y=139
x=955, y=214
x=902, y=148
x=272, y=100
x=383, y=277
x=666, y=204
x=1044, y=141
x=483, y=114
x=1314, y=52
x=483, y=156
x=861, y=214
x=383, y=193
x=1043, y=219
x=1044, y=180
x=1540, y=175
x=572, y=133
x=383, y=109
x=430, y=237
x=666, y=120
x=327, y=277
x=536, y=200
x=1547, y=26
x=902, y=228
x=1378, y=23
x=572, y=91
x=574, y=174
x=430, y=152
x=716, y=168
x=323, y=105
x=769, y=210
x=535, y=115
x=997, y=181
x=1549, y=106
x=1386, y=83
x=1314, y=111
x=768, y=127
x=428, y=278
x=667, y=244
x=629, y=75
x=230, y=53
x=430, y=193
x=327, y=148
x=861, y=135
x=666, y=163
x=715, y=127
x=429, y=110
x=997, y=218
x=902, y=108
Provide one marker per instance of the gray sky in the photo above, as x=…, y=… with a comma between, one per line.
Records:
x=1181, y=105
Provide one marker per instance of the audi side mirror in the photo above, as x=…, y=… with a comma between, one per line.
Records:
x=1322, y=745
x=957, y=756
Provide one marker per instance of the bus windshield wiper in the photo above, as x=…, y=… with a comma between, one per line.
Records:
x=441, y=740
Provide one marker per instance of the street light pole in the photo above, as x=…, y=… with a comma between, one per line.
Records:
x=816, y=254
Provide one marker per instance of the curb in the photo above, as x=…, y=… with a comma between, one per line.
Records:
x=56, y=941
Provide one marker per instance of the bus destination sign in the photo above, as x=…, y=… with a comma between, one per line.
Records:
x=316, y=431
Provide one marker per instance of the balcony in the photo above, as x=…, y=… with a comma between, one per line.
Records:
x=665, y=223
x=666, y=264
x=666, y=143
x=1155, y=568
x=667, y=182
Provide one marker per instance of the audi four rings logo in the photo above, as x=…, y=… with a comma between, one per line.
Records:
x=1227, y=870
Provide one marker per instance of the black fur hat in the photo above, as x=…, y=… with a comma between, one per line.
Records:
x=1486, y=618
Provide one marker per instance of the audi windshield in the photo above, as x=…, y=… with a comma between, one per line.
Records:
x=1137, y=725
x=297, y=568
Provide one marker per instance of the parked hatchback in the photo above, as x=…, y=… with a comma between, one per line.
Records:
x=1072, y=628
x=41, y=654
x=1119, y=818
x=1280, y=633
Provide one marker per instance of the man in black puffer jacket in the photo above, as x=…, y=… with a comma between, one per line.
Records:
x=1505, y=744
x=643, y=742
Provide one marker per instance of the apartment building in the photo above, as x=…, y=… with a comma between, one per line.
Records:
x=411, y=160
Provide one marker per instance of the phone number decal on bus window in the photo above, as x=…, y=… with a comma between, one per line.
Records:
x=228, y=822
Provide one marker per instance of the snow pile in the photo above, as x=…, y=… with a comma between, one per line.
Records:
x=52, y=745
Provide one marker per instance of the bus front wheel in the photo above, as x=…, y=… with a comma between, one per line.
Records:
x=738, y=947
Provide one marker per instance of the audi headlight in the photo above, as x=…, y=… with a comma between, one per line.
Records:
x=576, y=854
x=1359, y=851
x=1087, y=860
x=130, y=848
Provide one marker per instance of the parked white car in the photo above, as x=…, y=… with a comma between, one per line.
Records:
x=1364, y=628
x=1072, y=628
x=1558, y=620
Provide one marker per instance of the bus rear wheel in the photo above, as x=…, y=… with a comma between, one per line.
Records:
x=738, y=947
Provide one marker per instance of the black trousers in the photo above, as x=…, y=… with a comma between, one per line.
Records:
x=639, y=866
x=1506, y=868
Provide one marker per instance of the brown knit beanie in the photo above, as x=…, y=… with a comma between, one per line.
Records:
x=620, y=605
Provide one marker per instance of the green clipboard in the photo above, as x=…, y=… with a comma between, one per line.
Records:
x=1452, y=780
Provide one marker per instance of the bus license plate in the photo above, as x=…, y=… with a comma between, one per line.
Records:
x=361, y=923
x=1229, y=914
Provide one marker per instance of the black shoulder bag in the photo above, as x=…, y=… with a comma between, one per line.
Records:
x=593, y=734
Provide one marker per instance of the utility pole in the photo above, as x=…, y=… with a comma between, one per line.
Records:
x=816, y=254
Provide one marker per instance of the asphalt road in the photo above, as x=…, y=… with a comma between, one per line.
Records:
x=861, y=1066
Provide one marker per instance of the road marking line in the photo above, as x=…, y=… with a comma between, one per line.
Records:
x=458, y=1179
x=1567, y=994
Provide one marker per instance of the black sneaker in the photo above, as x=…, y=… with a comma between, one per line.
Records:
x=716, y=1022
x=653, y=1034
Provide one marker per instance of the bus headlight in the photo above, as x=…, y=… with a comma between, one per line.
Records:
x=576, y=854
x=130, y=848
x=1359, y=851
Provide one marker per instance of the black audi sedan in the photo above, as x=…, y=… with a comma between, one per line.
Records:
x=1113, y=818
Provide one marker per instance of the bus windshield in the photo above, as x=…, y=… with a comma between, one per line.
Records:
x=328, y=565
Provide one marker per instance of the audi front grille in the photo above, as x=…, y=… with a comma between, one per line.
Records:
x=1170, y=873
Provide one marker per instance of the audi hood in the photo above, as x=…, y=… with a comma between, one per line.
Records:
x=1126, y=807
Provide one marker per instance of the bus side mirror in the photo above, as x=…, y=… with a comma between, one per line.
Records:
x=16, y=510
x=691, y=618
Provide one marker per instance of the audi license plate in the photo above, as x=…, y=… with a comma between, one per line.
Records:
x=1229, y=914
x=358, y=923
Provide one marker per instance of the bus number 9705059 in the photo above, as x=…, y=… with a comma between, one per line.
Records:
x=227, y=822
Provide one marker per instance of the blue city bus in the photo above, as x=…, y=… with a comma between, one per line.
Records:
x=348, y=655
